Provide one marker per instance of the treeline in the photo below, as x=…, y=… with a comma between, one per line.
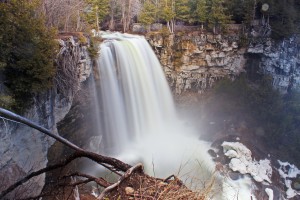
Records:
x=78, y=15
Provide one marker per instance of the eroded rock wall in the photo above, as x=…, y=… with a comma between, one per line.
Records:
x=280, y=60
x=194, y=61
x=23, y=149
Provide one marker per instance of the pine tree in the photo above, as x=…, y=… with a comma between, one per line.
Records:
x=27, y=50
x=182, y=10
x=201, y=12
x=283, y=17
x=97, y=11
x=217, y=15
x=167, y=13
x=249, y=11
x=148, y=14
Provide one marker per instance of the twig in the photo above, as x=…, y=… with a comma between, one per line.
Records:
x=122, y=178
x=100, y=181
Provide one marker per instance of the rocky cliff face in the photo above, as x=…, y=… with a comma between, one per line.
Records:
x=23, y=149
x=194, y=61
x=281, y=60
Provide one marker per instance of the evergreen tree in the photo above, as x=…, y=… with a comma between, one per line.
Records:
x=97, y=11
x=236, y=8
x=167, y=13
x=249, y=11
x=201, y=12
x=148, y=13
x=283, y=17
x=192, y=7
x=217, y=15
x=182, y=10
x=27, y=50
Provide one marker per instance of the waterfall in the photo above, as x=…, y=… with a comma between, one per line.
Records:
x=138, y=117
x=135, y=96
x=139, y=121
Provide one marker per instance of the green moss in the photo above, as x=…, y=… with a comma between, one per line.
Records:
x=7, y=101
x=94, y=47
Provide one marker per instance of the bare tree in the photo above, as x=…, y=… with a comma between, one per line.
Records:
x=129, y=9
x=65, y=15
x=113, y=10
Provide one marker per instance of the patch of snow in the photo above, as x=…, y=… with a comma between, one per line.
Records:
x=238, y=165
x=270, y=193
x=241, y=160
x=231, y=154
x=287, y=171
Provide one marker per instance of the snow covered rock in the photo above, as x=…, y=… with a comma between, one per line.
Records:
x=289, y=171
x=241, y=161
x=270, y=193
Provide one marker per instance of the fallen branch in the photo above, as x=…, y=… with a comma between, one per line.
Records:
x=23, y=120
x=110, y=163
x=100, y=181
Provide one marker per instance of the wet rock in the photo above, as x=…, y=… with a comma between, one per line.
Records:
x=212, y=153
x=234, y=175
x=296, y=185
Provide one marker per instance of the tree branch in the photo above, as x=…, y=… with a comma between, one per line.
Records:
x=23, y=120
x=122, y=178
x=100, y=181
x=110, y=163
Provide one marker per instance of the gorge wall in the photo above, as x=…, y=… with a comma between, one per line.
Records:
x=193, y=61
x=280, y=60
x=24, y=149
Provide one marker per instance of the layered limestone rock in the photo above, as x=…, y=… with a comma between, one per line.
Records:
x=281, y=60
x=194, y=61
x=23, y=149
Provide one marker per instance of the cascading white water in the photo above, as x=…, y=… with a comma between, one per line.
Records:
x=138, y=112
x=135, y=95
x=139, y=122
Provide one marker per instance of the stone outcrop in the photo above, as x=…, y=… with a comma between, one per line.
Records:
x=23, y=149
x=194, y=61
x=281, y=60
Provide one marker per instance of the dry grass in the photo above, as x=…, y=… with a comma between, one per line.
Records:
x=149, y=188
